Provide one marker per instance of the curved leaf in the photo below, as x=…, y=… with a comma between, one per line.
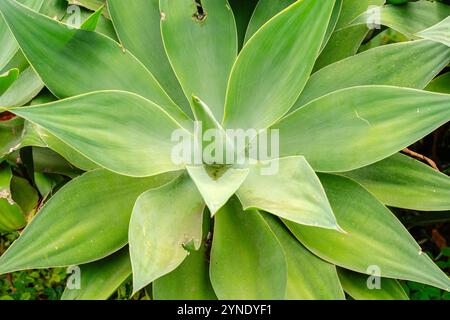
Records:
x=25, y=88
x=75, y=61
x=309, y=277
x=401, y=181
x=201, y=47
x=85, y=221
x=247, y=260
x=439, y=32
x=264, y=11
x=410, y=18
x=374, y=239
x=100, y=279
x=354, y=127
x=380, y=66
x=117, y=130
x=166, y=223
x=271, y=71
x=355, y=284
x=295, y=192
x=10, y=48
x=137, y=24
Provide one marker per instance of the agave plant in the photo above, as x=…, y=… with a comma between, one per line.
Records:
x=316, y=228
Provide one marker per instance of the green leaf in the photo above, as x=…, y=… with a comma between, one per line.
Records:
x=90, y=24
x=374, y=239
x=401, y=181
x=309, y=277
x=47, y=161
x=88, y=4
x=201, y=47
x=25, y=88
x=11, y=216
x=264, y=11
x=242, y=11
x=7, y=79
x=333, y=22
x=84, y=221
x=96, y=126
x=439, y=32
x=440, y=84
x=353, y=8
x=345, y=40
x=260, y=90
x=295, y=192
x=190, y=281
x=355, y=284
x=74, y=62
x=380, y=66
x=165, y=225
x=342, y=44
x=372, y=122
x=216, y=185
x=24, y=195
x=137, y=24
x=100, y=279
x=410, y=18
x=247, y=260
x=10, y=135
x=10, y=48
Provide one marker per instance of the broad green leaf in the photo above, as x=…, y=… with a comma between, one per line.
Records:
x=401, y=181
x=7, y=78
x=409, y=18
x=439, y=32
x=375, y=239
x=242, y=11
x=137, y=24
x=295, y=192
x=271, y=71
x=25, y=88
x=190, y=281
x=10, y=135
x=76, y=61
x=120, y=131
x=10, y=47
x=353, y=8
x=84, y=221
x=342, y=44
x=356, y=285
x=440, y=84
x=247, y=260
x=308, y=277
x=100, y=279
x=165, y=225
x=355, y=127
x=11, y=216
x=201, y=47
x=264, y=11
x=384, y=65
x=217, y=185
